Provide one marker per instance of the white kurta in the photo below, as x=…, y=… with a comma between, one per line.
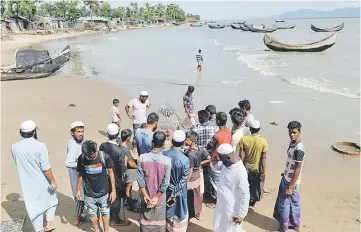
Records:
x=32, y=159
x=73, y=153
x=232, y=197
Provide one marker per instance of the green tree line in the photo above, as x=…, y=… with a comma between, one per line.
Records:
x=73, y=9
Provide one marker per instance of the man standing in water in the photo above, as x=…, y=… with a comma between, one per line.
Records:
x=287, y=209
x=199, y=58
x=36, y=178
x=73, y=153
x=139, y=113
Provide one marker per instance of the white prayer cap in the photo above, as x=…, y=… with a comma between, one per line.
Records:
x=225, y=149
x=27, y=126
x=144, y=93
x=112, y=129
x=255, y=124
x=179, y=136
x=76, y=124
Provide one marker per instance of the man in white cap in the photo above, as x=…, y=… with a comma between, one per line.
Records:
x=139, y=108
x=252, y=151
x=233, y=191
x=73, y=152
x=120, y=160
x=177, y=208
x=36, y=178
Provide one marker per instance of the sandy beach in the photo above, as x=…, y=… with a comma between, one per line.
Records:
x=330, y=184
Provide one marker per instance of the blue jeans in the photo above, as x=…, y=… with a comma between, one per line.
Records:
x=93, y=203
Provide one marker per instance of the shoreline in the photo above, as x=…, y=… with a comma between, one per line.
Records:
x=325, y=206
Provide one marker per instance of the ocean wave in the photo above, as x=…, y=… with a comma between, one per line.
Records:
x=276, y=102
x=314, y=84
x=233, y=48
x=216, y=42
x=235, y=83
x=264, y=63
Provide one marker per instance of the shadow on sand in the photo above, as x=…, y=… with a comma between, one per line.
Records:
x=261, y=221
x=15, y=208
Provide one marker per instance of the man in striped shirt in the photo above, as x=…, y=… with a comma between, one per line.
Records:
x=199, y=58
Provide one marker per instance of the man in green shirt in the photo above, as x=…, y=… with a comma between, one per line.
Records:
x=253, y=149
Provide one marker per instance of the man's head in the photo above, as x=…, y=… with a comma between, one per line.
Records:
x=77, y=130
x=199, y=51
x=211, y=109
x=225, y=153
x=245, y=105
x=191, y=138
x=143, y=96
x=112, y=131
x=221, y=119
x=28, y=129
x=158, y=139
x=153, y=119
x=178, y=138
x=116, y=102
x=203, y=116
x=294, y=130
x=254, y=126
x=190, y=90
x=234, y=110
x=126, y=135
x=89, y=149
x=237, y=118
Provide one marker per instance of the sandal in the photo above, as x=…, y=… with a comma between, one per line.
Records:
x=50, y=228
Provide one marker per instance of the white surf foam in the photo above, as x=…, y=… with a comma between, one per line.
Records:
x=259, y=62
x=276, y=102
x=312, y=83
x=233, y=48
x=235, y=83
x=216, y=42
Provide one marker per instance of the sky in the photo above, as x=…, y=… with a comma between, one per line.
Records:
x=228, y=10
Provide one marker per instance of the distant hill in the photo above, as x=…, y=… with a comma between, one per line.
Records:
x=315, y=14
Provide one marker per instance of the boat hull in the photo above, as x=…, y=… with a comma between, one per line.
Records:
x=319, y=46
x=216, y=26
x=334, y=29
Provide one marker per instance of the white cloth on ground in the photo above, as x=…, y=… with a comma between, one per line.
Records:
x=232, y=198
x=32, y=160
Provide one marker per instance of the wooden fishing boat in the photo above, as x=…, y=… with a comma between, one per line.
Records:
x=333, y=29
x=196, y=24
x=261, y=29
x=279, y=20
x=243, y=27
x=176, y=23
x=216, y=26
x=33, y=64
x=318, y=46
x=236, y=26
x=286, y=27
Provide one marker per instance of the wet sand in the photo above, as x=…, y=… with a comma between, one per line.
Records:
x=330, y=184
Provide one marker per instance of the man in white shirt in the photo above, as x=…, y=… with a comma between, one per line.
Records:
x=239, y=130
x=114, y=113
x=245, y=106
x=233, y=191
x=139, y=108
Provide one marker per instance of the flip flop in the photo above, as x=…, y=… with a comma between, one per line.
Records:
x=51, y=228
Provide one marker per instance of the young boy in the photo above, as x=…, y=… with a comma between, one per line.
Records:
x=114, y=113
x=131, y=171
x=287, y=209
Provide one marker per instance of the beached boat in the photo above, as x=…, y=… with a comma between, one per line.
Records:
x=286, y=27
x=279, y=20
x=216, y=26
x=261, y=29
x=318, y=46
x=236, y=26
x=176, y=23
x=333, y=29
x=196, y=24
x=243, y=27
x=33, y=64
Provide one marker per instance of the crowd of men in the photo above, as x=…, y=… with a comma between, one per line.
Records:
x=176, y=171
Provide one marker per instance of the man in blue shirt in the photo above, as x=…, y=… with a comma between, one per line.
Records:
x=144, y=136
x=177, y=209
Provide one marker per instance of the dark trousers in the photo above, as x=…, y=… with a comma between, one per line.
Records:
x=135, y=127
x=115, y=207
